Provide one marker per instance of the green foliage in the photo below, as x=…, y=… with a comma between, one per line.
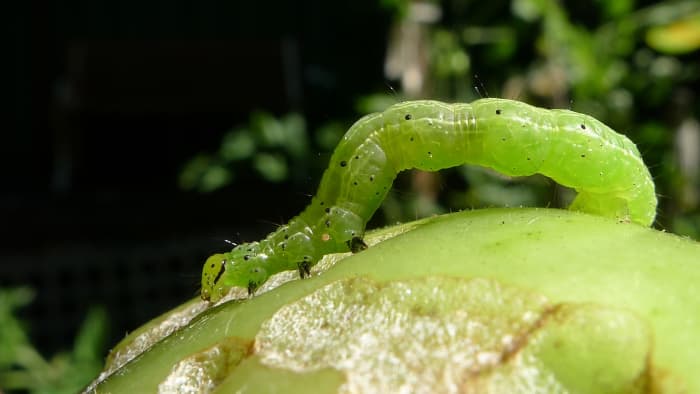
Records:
x=271, y=146
x=676, y=38
x=23, y=368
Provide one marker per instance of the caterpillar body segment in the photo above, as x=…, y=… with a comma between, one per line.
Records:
x=517, y=139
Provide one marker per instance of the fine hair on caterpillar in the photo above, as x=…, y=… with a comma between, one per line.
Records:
x=511, y=137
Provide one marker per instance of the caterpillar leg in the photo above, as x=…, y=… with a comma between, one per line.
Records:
x=304, y=269
x=252, y=286
x=347, y=227
x=356, y=244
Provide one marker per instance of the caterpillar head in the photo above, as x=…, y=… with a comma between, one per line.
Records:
x=238, y=268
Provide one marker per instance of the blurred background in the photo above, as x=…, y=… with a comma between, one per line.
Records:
x=145, y=135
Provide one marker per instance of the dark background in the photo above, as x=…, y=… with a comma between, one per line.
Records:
x=108, y=100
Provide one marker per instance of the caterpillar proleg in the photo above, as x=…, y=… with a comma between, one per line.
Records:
x=514, y=138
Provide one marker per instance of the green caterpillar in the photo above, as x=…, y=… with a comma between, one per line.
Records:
x=511, y=137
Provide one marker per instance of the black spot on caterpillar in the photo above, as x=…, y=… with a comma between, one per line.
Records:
x=512, y=137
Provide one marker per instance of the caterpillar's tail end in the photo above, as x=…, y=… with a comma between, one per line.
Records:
x=614, y=207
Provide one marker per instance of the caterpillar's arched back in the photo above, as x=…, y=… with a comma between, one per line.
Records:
x=514, y=138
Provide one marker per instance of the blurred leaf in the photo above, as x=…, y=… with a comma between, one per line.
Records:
x=215, y=177
x=272, y=167
x=296, y=140
x=269, y=129
x=12, y=334
x=501, y=41
x=198, y=174
x=265, y=145
x=679, y=37
x=688, y=226
x=376, y=102
x=449, y=58
x=237, y=145
x=91, y=336
x=654, y=133
x=23, y=368
x=528, y=10
x=615, y=8
x=328, y=136
x=398, y=7
x=490, y=188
